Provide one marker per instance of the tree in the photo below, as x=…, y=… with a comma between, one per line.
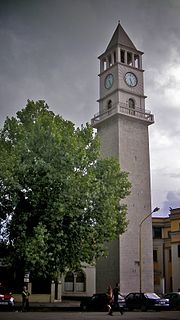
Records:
x=59, y=202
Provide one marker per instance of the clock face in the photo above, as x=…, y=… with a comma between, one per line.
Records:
x=109, y=81
x=131, y=79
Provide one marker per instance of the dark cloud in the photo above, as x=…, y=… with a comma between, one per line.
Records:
x=49, y=51
x=172, y=201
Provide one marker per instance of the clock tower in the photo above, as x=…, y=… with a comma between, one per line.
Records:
x=122, y=125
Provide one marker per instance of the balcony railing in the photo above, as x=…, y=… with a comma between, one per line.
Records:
x=123, y=109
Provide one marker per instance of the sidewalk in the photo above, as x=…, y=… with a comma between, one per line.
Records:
x=56, y=306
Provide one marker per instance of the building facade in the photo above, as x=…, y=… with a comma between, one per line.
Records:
x=166, y=252
x=122, y=125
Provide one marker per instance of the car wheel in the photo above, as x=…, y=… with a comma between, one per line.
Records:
x=83, y=308
x=143, y=308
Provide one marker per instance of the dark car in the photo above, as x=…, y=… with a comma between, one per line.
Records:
x=145, y=301
x=96, y=302
x=174, y=300
x=6, y=299
x=99, y=302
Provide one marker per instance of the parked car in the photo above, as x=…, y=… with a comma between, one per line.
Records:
x=96, y=302
x=174, y=300
x=99, y=302
x=6, y=299
x=145, y=301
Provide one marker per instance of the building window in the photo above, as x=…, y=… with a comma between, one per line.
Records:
x=75, y=282
x=178, y=250
x=114, y=56
x=109, y=60
x=136, y=61
x=69, y=282
x=80, y=282
x=155, y=256
x=157, y=232
x=132, y=106
x=104, y=64
x=109, y=105
x=122, y=56
x=170, y=255
x=129, y=58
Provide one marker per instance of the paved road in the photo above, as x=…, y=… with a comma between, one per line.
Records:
x=163, y=315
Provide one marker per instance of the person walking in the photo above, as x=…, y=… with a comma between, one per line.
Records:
x=25, y=299
x=116, y=293
x=110, y=299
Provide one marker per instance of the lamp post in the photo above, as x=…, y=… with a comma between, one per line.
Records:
x=140, y=246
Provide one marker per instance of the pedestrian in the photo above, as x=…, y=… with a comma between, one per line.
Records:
x=110, y=299
x=25, y=299
x=116, y=293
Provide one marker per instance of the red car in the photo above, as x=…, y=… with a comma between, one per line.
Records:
x=6, y=299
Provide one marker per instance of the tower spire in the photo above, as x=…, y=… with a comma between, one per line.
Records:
x=120, y=37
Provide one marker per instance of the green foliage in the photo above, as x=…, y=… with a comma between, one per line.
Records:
x=59, y=202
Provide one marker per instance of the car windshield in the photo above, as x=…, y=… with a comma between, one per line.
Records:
x=2, y=291
x=152, y=295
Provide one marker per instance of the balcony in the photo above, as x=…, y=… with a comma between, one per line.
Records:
x=122, y=108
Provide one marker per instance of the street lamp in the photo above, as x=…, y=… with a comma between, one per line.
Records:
x=140, y=247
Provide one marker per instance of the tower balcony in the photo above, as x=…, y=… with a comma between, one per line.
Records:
x=123, y=109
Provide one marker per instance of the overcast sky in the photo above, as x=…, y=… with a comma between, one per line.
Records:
x=49, y=50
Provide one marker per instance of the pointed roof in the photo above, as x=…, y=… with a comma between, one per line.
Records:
x=120, y=37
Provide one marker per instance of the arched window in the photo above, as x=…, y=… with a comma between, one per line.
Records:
x=136, y=61
x=104, y=63
x=80, y=282
x=69, y=282
x=122, y=56
x=109, y=61
x=109, y=105
x=129, y=58
x=114, y=54
x=132, y=106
